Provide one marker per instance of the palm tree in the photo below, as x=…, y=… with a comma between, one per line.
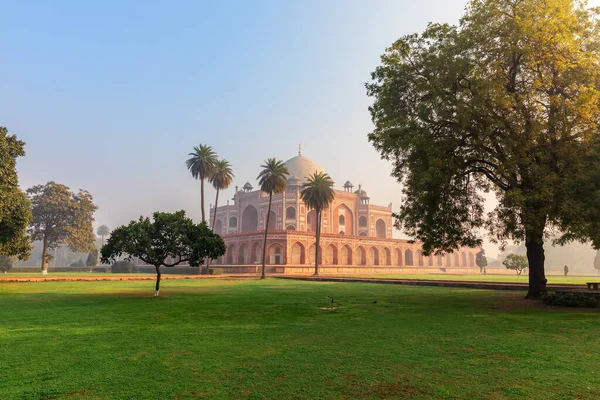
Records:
x=103, y=231
x=272, y=179
x=201, y=165
x=221, y=179
x=317, y=194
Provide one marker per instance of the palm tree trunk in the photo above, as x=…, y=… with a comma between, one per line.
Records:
x=317, y=242
x=262, y=274
x=202, y=199
x=213, y=228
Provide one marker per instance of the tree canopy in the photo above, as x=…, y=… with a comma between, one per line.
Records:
x=515, y=262
x=168, y=239
x=506, y=102
x=15, y=210
x=201, y=165
x=481, y=260
x=61, y=217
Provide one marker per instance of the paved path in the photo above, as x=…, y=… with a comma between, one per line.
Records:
x=50, y=278
x=426, y=282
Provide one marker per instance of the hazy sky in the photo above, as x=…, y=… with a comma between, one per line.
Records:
x=111, y=96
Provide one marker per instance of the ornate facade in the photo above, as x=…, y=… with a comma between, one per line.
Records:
x=356, y=235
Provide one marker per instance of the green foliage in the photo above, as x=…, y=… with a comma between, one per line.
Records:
x=572, y=299
x=6, y=263
x=77, y=264
x=62, y=217
x=216, y=271
x=15, y=210
x=508, y=102
x=92, y=258
x=103, y=231
x=168, y=240
x=515, y=262
x=123, y=267
x=272, y=178
x=481, y=259
x=221, y=179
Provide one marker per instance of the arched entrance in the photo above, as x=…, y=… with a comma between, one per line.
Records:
x=361, y=255
x=311, y=221
x=408, y=257
x=255, y=253
x=218, y=227
x=298, y=254
x=272, y=221
x=387, y=256
x=398, y=257
x=373, y=256
x=275, y=254
x=343, y=219
x=243, y=254
x=331, y=255
x=230, y=254
x=249, y=219
x=346, y=256
x=380, y=229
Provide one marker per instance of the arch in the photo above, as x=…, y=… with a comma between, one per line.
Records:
x=398, y=257
x=243, y=254
x=361, y=255
x=311, y=221
x=298, y=257
x=343, y=219
x=311, y=254
x=373, y=256
x=362, y=234
x=342, y=233
x=463, y=256
x=255, y=253
x=380, y=229
x=471, y=260
x=456, y=262
x=430, y=260
x=420, y=254
x=448, y=260
x=230, y=254
x=440, y=260
x=346, y=255
x=249, y=219
x=362, y=222
x=233, y=222
x=290, y=213
x=408, y=257
x=387, y=256
x=331, y=255
x=272, y=221
x=275, y=254
x=290, y=228
x=218, y=227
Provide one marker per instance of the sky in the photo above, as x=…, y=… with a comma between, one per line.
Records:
x=111, y=96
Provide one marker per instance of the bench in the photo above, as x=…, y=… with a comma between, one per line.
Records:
x=592, y=285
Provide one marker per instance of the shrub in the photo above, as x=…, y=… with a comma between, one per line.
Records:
x=123, y=267
x=77, y=264
x=216, y=271
x=572, y=299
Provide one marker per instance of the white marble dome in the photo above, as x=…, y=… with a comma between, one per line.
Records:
x=300, y=167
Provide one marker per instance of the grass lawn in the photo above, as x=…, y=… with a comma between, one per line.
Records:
x=485, y=278
x=276, y=339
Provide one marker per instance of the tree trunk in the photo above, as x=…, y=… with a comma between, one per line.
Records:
x=262, y=274
x=157, y=288
x=201, y=269
x=534, y=242
x=45, y=257
x=318, y=235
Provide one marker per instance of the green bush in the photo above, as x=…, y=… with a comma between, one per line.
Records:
x=216, y=271
x=123, y=267
x=77, y=264
x=6, y=263
x=572, y=299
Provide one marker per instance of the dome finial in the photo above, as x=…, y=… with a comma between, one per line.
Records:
x=299, y=149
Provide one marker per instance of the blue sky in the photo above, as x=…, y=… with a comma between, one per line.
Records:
x=111, y=96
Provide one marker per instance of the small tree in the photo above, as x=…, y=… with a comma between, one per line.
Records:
x=597, y=262
x=516, y=262
x=61, y=217
x=6, y=263
x=168, y=240
x=103, y=231
x=92, y=259
x=481, y=261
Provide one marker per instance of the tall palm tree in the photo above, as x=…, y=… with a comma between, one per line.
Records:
x=317, y=194
x=272, y=179
x=103, y=231
x=221, y=179
x=201, y=165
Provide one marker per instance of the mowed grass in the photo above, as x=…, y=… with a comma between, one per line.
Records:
x=278, y=339
x=485, y=278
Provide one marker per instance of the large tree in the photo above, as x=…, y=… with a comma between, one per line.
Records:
x=169, y=239
x=506, y=102
x=201, y=165
x=272, y=179
x=15, y=210
x=481, y=260
x=61, y=217
x=317, y=193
